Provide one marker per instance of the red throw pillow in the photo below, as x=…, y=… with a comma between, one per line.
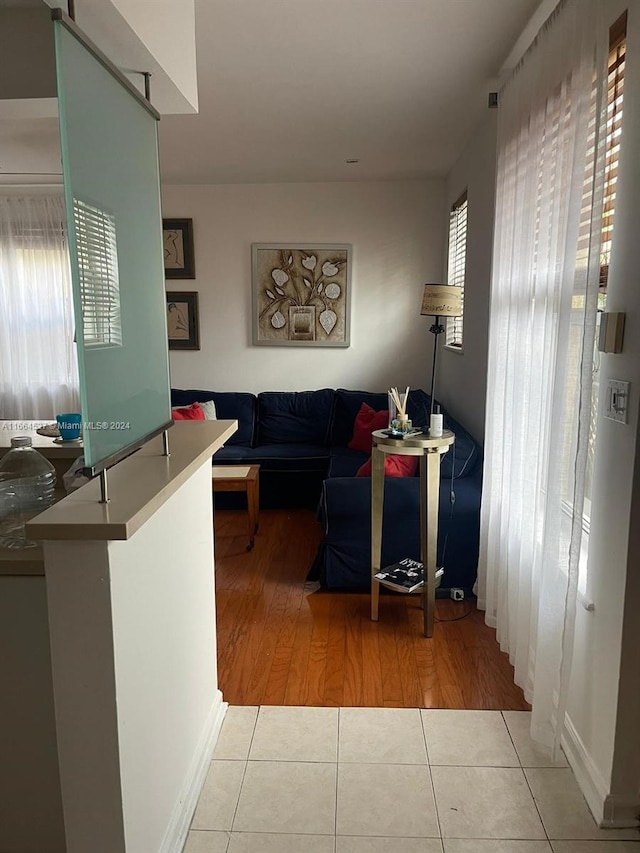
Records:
x=367, y=420
x=394, y=466
x=194, y=412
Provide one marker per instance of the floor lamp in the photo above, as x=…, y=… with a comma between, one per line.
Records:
x=439, y=300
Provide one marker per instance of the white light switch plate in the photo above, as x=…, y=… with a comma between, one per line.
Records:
x=617, y=401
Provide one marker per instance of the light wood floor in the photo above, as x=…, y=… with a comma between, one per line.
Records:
x=278, y=644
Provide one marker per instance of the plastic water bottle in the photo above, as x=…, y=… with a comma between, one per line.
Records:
x=27, y=484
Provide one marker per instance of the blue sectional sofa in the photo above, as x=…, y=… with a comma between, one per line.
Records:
x=300, y=440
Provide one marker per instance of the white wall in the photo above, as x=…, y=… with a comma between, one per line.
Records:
x=157, y=36
x=167, y=28
x=397, y=232
x=462, y=376
x=133, y=652
x=30, y=798
x=166, y=674
x=604, y=705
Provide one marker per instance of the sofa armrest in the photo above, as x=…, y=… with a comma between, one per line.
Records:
x=349, y=498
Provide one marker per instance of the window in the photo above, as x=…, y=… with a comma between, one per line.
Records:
x=98, y=270
x=615, y=94
x=39, y=255
x=38, y=371
x=457, y=265
x=590, y=235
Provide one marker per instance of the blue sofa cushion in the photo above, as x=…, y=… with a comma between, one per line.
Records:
x=295, y=417
x=291, y=457
x=235, y=454
x=462, y=462
x=345, y=513
x=348, y=404
x=463, y=457
x=345, y=462
x=275, y=457
x=419, y=407
x=229, y=406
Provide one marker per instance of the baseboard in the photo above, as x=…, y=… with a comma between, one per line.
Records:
x=609, y=812
x=182, y=814
x=591, y=782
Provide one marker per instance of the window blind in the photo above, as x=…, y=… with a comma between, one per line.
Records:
x=457, y=261
x=98, y=271
x=615, y=95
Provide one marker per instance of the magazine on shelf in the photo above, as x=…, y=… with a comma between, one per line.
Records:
x=406, y=576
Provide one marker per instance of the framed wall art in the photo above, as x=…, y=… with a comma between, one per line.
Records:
x=301, y=294
x=177, y=238
x=183, y=326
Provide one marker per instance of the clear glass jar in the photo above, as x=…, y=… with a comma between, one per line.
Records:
x=401, y=424
x=27, y=486
x=391, y=406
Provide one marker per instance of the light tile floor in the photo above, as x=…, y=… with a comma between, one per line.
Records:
x=369, y=780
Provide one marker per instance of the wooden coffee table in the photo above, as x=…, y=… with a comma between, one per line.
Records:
x=240, y=478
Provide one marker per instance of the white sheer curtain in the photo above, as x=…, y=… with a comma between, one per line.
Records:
x=38, y=372
x=543, y=311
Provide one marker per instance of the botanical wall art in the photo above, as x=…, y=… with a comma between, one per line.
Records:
x=301, y=294
x=177, y=237
x=183, y=326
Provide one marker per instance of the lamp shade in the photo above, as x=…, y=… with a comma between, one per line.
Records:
x=442, y=300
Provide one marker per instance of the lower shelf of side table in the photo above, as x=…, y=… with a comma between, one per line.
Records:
x=388, y=586
x=416, y=591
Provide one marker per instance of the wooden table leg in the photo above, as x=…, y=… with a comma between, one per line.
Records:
x=252, y=510
x=248, y=484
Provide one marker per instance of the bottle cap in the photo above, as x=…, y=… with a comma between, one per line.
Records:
x=21, y=441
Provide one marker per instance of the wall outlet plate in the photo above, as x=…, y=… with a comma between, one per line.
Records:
x=616, y=406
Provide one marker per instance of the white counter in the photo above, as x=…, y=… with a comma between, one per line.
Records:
x=138, y=486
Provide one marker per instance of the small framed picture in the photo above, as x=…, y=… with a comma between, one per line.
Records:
x=182, y=320
x=179, y=260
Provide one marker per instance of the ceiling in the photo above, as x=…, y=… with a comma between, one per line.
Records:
x=290, y=89
x=29, y=148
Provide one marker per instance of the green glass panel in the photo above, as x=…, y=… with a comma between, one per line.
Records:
x=112, y=194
